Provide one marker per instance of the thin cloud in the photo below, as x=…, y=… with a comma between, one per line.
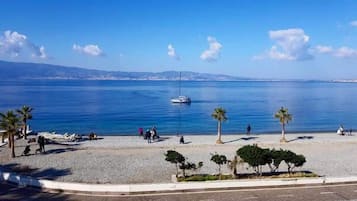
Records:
x=323, y=49
x=353, y=23
x=14, y=44
x=91, y=50
x=341, y=52
x=213, y=52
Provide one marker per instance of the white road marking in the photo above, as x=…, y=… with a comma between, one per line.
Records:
x=286, y=195
x=250, y=198
x=326, y=192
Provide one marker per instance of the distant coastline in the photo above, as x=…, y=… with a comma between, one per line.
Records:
x=39, y=71
x=17, y=70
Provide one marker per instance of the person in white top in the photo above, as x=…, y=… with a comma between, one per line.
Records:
x=340, y=130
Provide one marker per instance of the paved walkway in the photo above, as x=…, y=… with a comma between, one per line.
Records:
x=130, y=160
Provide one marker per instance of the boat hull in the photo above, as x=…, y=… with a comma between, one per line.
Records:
x=181, y=99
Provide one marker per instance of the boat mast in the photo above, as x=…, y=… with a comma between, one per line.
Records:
x=180, y=85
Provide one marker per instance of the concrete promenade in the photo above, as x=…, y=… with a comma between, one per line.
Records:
x=118, y=165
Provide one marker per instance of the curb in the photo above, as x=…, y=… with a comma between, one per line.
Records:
x=126, y=189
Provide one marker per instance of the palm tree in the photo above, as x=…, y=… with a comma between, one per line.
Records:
x=25, y=114
x=10, y=122
x=284, y=117
x=220, y=115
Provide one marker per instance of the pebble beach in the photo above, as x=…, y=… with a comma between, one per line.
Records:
x=131, y=159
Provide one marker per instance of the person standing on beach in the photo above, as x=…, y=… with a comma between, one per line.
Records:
x=41, y=143
x=182, y=140
x=154, y=131
x=141, y=132
x=148, y=135
x=340, y=130
x=249, y=128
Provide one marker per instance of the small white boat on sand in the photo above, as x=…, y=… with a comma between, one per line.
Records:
x=58, y=137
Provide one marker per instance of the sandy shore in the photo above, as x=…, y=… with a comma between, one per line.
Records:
x=130, y=159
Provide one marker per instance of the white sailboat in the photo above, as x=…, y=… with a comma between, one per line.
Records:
x=181, y=98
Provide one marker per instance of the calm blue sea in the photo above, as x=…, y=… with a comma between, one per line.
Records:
x=121, y=107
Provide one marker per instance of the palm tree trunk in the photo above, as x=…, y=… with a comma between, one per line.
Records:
x=219, y=170
x=177, y=171
x=9, y=139
x=25, y=130
x=12, y=146
x=283, y=139
x=219, y=140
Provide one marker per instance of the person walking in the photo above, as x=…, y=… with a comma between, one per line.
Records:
x=249, y=128
x=43, y=144
x=182, y=140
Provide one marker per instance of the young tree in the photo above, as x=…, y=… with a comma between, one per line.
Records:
x=293, y=160
x=220, y=115
x=189, y=166
x=25, y=114
x=10, y=122
x=175, y=158
x=180, y=162
x=219, y=160
x=232, y=165
x=284, y=117
x=255, y=156
x=277, y=158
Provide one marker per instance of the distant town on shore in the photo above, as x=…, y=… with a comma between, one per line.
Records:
x=19, y=70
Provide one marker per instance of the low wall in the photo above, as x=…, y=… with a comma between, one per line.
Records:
x=163, y=187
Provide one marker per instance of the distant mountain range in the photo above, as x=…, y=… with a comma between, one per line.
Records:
x=16, y=70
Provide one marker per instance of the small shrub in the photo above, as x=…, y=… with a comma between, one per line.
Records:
x=219, y=160
x=180, y=162
x=175, y=158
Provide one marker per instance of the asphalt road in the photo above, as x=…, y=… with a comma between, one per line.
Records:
x=340, y=192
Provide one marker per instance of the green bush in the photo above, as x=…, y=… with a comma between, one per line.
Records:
x=277, y=158
x=175, y=158
x=257, y=157
x=180, y=162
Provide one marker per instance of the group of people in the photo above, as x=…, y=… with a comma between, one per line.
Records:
x=342, y=131
x=150, y=134
x=41, y=143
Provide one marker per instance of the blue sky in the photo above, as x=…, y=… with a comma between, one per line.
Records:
x=302, y=39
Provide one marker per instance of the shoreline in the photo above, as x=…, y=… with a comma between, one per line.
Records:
x=207, y=134
x=209, y=140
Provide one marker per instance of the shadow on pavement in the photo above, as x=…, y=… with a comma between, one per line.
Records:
x=242, y=138
x=302, y=138
x=12, y=192
x=48, y=173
